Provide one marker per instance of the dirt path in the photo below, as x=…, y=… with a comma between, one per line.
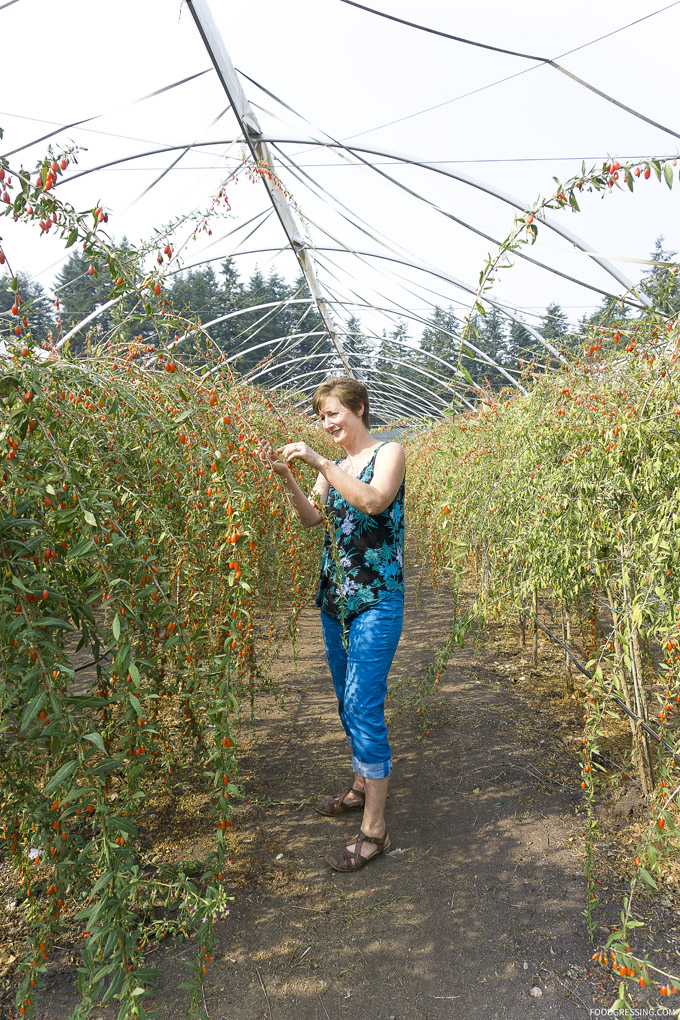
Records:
x=478, y=904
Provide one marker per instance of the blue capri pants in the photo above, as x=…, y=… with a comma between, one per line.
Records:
x=360, y=679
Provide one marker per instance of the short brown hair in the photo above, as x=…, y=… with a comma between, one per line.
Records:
x=350, y=392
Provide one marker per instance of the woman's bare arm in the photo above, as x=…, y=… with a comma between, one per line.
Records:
x=303, y=508
x=368, y=497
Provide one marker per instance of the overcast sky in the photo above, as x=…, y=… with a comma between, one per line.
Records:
x=508, y=121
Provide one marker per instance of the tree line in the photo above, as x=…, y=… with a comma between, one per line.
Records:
x=265, y=323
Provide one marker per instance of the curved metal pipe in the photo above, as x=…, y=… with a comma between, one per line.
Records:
x=293, y=361
x=433, y=167
x=416, y=406
x=499, y=306
x=415, y=368
x=396, y=389
x=472, y=182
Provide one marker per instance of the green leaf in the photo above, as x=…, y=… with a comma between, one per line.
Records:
x=137, y=705
x=115, y=985
x=122, y=825
x=644, y=874
x=32, y=710
x=90, y=519
x=115, y=627
x=82, y=548
x=54, y=621
x=668, y=174
x=19, y=584
x=101, y=882
x=72, y=237
x=61, y=775
x=97, y=740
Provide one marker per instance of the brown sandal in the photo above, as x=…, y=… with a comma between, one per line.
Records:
x=332, y=806
x=343, y=859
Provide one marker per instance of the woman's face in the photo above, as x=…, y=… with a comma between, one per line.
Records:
x=338, y=421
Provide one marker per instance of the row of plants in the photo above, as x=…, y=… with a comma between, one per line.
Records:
x=149, y=562
x=147, y=554
x=568, y=495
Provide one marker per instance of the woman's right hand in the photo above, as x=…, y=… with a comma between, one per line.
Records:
x=268, y=455
x=303, y=509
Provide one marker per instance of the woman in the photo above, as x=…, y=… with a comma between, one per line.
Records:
x=361, y=593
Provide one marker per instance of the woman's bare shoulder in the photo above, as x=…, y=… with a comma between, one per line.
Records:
x=390, y=463
x=390, y=451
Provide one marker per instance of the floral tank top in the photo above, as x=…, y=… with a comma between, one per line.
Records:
x=367, y=564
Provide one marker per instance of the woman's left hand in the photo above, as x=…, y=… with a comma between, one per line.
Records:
x=300, y=451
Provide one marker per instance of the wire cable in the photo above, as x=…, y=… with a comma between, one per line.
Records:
x=524, y=56
x=509, y=77
x=356, y=153
x=88, y=120
x=450, y=216
x=166, y=170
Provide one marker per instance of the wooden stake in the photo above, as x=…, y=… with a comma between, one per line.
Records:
x=534, y=654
